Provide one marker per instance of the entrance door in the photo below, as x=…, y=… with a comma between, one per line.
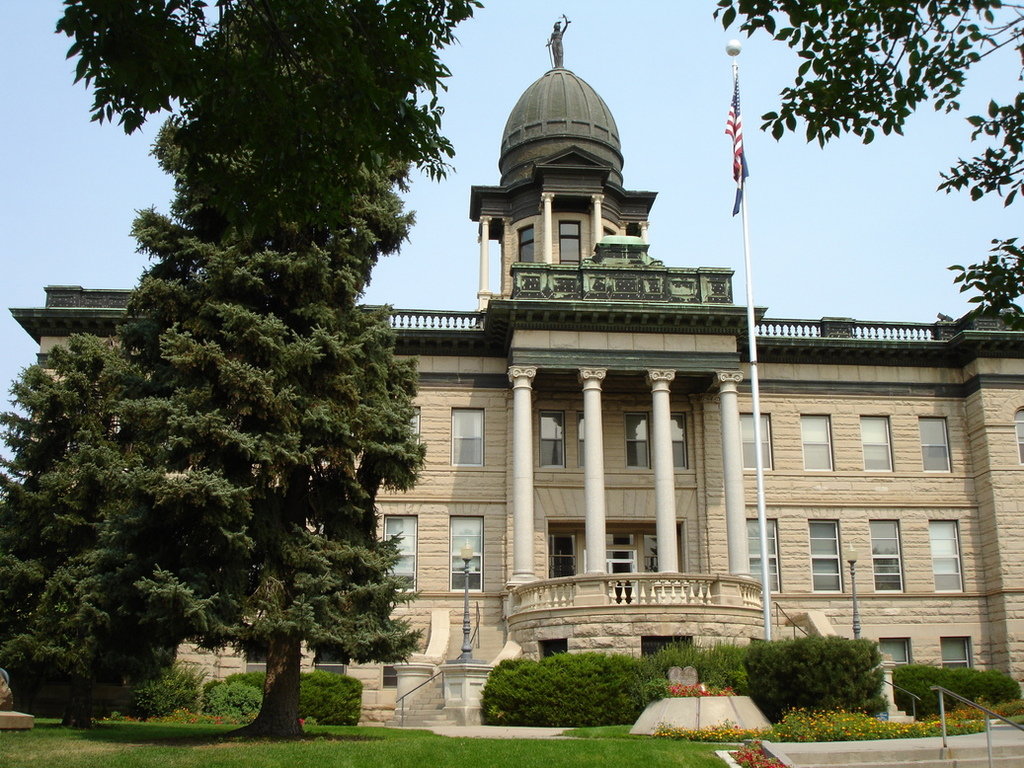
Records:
x=561, y=555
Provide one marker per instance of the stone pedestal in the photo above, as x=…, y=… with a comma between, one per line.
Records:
x=463, y=684
x=894, y=715
x=700, y=712
x=411, y=675
x=15, y=721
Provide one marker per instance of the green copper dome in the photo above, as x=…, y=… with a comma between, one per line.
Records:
x=558, y=111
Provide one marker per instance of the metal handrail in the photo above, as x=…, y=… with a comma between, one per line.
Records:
x=943, y=692
x=780, y=609
x=401, y=699
x=475, y=637
x=911, y=694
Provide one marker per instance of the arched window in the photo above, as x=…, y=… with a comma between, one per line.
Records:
x=526, y=244
x=1019, y=422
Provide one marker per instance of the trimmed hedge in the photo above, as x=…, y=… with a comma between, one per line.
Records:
x=718, y=666
x=232, y=700
x=568, y=690
x=177, y=687
x=328, y=698
x=815, y=673
x=983, y=686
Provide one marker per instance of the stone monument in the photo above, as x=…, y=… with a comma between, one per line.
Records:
x=9, y=719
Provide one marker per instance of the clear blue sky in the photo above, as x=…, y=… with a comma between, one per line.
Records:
x=846, y=231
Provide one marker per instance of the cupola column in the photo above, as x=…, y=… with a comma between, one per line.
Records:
x=732, y=471
x=546, y=200
x=643, y=231
x=593, y=469
x=664, y=470
x=485, y=280
x=521, y=377
x=596, y=227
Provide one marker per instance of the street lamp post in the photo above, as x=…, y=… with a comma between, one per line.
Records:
x=466, y=553
x=850, y=554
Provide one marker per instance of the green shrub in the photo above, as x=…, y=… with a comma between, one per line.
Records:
x=565, y=690
x=815, y=673
x=330, y=699
x=232, y=700
x=325, y=697
x=177, y=687
x=718, y=666
x=982, y=686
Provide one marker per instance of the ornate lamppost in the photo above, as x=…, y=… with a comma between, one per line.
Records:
x=466, y=553
x=850, y=555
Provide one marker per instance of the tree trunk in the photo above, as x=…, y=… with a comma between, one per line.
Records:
x=279, y=713
x=78, y=712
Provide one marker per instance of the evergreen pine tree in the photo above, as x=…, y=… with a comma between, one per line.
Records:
x=278, y=411
x=64, y=613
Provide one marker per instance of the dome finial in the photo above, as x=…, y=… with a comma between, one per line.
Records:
x=555, y=43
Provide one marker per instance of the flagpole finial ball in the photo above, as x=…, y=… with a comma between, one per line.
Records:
x=733, y=47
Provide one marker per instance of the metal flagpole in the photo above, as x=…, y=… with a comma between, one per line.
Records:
x=733, y=49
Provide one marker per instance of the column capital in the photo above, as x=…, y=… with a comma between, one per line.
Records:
x=655, y=375
x=597, y=198
x=522, y=375
x=592, y=375
x=547, y=197
x=727, y=380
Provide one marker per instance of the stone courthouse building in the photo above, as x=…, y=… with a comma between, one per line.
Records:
x=589, y=442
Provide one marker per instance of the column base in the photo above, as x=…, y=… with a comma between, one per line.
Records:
x=482, y=299
x=521, y=578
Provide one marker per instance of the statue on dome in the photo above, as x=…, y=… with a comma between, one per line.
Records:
x=555, y=42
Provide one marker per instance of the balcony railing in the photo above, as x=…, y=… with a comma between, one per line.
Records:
x=422, y=319
x=636, y=590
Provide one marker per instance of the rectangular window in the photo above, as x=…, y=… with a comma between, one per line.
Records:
x=621, y=551
x=956, y=651
x=747, y=430
x=754, y=551
x=569, y=242
x=388, y=676
x=885, y=555
x=255, y=661
x=403, y=527
x=325, y=661
x=825, y=565
x=467, y=437
x=1018, y=421
x=651, y=644
x=638, y=454
x=414, y=422
x=678, y=427
x=467, y=531
x=874, y=438
x=934, y=444
x=552, y=439
x=580, y=453
x=526, y=244
x=896, y=647
x=817, y=439
x=551, y=647
x=945, y=539
x=561, y=555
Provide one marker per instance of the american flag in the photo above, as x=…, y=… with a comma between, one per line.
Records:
x=734, y=128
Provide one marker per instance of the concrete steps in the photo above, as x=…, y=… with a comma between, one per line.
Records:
x=893, y=754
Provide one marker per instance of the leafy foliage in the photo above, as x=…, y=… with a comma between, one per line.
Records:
x=867, y=65
x=983, y=686
x=329, y=698
x=178, y=687
x=815, y=673
x=283, y=105
x=564, y=690
x=236, y=701
x=718, y=667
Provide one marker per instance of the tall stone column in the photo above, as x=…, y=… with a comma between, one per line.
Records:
x=546, y=199
x=732, y=470
x=664, y=470
x=593, y=469
x=643, y=231
x=485, y=279
x=596, y=227
x=521, y=377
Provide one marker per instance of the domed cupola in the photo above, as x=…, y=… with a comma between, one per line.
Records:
x=558, y=111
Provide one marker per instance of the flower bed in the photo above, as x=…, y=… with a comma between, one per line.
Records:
x=752, y=756
x=679, y=691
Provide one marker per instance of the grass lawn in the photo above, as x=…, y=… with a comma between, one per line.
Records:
x=142, y=745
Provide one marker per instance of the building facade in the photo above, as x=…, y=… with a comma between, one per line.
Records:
x=590, y=450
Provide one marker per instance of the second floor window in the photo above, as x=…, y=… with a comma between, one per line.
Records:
x=934, y=444
x=638, y=454
x=874, y=437
x=526, y=244
x=747, y=432
x=552, y=439
x=817, y=439
x=825, y=566
x=467, y=437
x=1019, y=423
x=678, y=427
x=885, y=555
x=945, y=541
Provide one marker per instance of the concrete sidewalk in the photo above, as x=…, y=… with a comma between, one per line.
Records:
x=498, y=732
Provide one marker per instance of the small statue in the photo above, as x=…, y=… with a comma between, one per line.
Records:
x=555, y=42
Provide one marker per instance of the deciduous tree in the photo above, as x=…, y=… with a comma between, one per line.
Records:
x=868, y=64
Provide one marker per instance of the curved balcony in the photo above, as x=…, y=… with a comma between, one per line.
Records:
x=611, y=612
